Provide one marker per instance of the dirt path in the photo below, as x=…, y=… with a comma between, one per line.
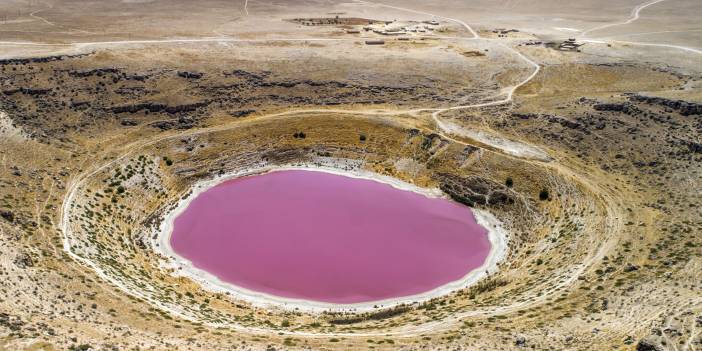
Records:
x=634, y=16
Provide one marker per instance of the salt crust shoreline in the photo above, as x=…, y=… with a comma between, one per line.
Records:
x=183, y=267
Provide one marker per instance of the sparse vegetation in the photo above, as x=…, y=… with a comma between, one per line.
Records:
x=98, y=142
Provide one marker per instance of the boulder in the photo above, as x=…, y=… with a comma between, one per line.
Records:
x=190, y=75
x=24, y=261
x=645, y=345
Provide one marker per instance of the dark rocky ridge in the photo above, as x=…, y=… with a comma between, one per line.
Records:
x=685, y=108
x=474, y=190
x=24, y=61
x=53, y=97
x=27, y=91
x=612, y=107
x=157, y=107
x=93, y=72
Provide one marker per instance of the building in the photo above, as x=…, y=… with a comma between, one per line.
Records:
x=569, y=45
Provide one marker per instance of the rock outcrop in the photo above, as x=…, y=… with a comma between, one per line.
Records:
x=645, y=345
x=183, y=122
x=24, y=61
x=685, y=108
x=611, y=107
x=27, y=91
x=24, y=261
x=158, y=107
x=474, y=190
x=93, y=72
x=189, y=75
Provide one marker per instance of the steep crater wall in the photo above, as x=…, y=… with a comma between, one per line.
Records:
x=114, y=214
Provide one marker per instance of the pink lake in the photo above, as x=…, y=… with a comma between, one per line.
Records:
x=328, y=238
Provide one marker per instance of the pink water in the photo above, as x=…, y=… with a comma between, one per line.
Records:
x=328, y=238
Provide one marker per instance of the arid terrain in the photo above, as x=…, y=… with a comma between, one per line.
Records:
x=577, y=125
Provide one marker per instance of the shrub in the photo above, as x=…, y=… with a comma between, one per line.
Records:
x=362, y=137
x=487, y=286
x=543, y=194
x=509, y=182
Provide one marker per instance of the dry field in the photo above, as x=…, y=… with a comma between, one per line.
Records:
x=110, y=111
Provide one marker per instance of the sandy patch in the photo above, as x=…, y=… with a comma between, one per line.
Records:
x=510, y=147
x=9, y=131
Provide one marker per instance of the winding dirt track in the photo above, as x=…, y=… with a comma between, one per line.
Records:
x=634, y=16
x=610, y=200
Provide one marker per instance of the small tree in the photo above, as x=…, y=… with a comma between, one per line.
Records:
x=543, y=195
x=362, y=137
